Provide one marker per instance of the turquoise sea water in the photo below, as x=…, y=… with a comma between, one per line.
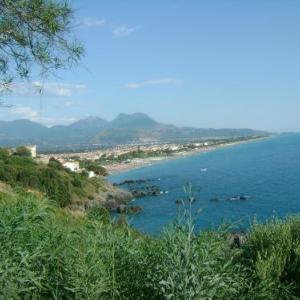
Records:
x=267, y=170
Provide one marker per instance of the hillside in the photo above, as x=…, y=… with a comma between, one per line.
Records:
x=48, y=253
x=67, y=189
x=124, y=129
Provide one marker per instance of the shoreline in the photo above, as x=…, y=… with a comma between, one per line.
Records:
x=114, y=169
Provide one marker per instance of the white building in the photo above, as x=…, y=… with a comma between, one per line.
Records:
x=32, y=149
x=72, y=166
x=92, y=174
x=174, y=148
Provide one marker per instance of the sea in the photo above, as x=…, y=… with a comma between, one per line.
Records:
x=268, y=171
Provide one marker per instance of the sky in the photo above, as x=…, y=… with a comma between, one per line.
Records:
x=200, y=63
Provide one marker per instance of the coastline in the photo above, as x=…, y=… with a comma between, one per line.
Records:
x=114, y=169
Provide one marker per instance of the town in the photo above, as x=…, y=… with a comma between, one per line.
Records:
x=123, y=157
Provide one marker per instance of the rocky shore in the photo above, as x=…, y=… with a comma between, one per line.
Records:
x=134, y=189
x=140, y=188
x=118, y=197
x=112, y=198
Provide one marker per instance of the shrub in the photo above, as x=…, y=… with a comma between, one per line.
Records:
x=272, y=255
x=56, y=187
x=45, y=257
x=99, y=213
x=53, y=180
x=48, y=253
x=54, y=163
x=22, y=151
x=93, y=166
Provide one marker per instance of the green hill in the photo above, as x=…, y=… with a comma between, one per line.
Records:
x=60, y=185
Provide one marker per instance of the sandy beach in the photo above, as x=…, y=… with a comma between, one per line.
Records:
x=139, y=163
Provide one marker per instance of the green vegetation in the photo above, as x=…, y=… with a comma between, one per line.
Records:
x=94, y=166
x=48, y=253
x=52, y=180
x=35, y=34
x=22, y=151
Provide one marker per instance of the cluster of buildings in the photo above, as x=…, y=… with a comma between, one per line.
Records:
x=74, y=166
x=115, y=152
x=69, y=160
x=70, y=164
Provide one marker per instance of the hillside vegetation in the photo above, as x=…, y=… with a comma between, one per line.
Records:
x=52, y=180
x=48, y=253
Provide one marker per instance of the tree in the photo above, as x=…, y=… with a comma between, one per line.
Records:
x=35, y=35
x=22, y=151
x=93, y=166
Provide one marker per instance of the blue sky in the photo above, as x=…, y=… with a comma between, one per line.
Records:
x=213, y=63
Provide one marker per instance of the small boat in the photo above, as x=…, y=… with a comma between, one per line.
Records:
x=204, y=170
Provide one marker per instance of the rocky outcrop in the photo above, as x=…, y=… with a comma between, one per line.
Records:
x=111, y=199
x=124, y=209
x=116, y=197
x=233, y=198
x=141, y=187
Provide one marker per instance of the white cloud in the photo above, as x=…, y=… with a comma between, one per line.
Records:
x=24, y=112
x=93, y=22
x=36, y=88
x=153, y=82
x=124, y=30
x=27, y=112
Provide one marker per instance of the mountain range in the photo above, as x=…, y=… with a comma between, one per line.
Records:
x=137, y=128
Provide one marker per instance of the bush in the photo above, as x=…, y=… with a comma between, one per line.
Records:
x=272, y=253
x=93, y=166
x=57, y=188
x=54, y=163
x=48, y=253
x=45, y=257
x=99, y=213
x=22, y=151
x=53, y=180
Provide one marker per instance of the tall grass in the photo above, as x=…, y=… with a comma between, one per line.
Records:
x=48, y=253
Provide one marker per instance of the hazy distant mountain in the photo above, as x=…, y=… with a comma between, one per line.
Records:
x=136, y=120
x=21, y=128
x=124, y=129
x=90, y=124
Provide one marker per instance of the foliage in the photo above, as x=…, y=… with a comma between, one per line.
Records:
x=99, y=213
x=272, y=253
x=56, y=164
x=35, y=33
x=53, y=180
x=22, y=151
x=93, y=166
x=48, y=253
